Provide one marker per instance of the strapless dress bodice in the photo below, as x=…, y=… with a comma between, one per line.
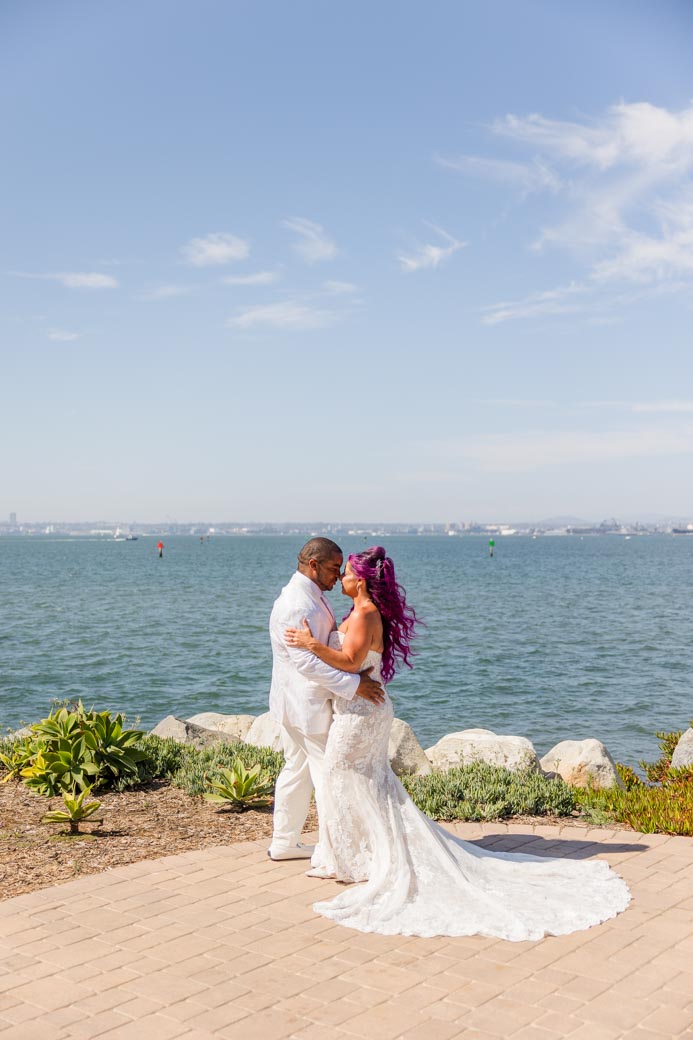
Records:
x=359, y=706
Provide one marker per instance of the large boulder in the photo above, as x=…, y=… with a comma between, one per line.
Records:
x=582, y=763
x=234, y=726
x=188, y=733
x=683, y=753
x=264, y=732
x=405, y=752
x=482, y=745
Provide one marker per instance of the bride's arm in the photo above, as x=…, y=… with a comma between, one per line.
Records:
x=357, y=642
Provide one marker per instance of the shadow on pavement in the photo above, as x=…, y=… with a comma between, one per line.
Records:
x=535, y=845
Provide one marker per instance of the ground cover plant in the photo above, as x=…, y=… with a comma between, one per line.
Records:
x=240, y=788
x=145, y=812
x=662, y=803
x=72, y=750
x=482, y=792
x=76, y=811
x=75, y=750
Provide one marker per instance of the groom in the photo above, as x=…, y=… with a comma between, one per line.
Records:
x=302, y=690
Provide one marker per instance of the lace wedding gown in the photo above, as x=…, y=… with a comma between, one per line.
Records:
x=419, y=879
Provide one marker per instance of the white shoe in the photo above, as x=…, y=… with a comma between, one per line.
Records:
x=295, y=852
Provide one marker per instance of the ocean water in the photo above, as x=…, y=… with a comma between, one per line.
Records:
x=552, y=639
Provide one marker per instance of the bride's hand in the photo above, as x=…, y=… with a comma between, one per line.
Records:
x=299, y=637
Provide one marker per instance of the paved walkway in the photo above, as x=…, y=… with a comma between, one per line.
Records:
x=223, y=943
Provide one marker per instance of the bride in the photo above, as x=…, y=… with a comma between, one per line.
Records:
x=419, y=879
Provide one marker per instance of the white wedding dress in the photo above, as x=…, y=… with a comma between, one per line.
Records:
x=419, y=879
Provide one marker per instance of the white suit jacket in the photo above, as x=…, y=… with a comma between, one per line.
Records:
x=302, y=685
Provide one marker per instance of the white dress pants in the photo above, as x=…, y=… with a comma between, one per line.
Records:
x=303, y=754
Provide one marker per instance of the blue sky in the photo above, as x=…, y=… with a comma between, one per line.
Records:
x=389, y=261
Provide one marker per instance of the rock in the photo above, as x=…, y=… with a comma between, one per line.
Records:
x=481, y=745
x=235, y=726
x=683, y=753
x=188, y=733
x=406, y=754
x=264, y=732
x=581, y=763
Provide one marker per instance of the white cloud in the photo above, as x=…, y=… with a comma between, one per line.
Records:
x=62, y=336
x=536, y=175
x=561, y=300
x=663, y=406
x=165, y=292
x=513, y=402
x=673, y=407
x=74, y=279
x=313, y=244
x=638, y=134
x=523, y=452
x=259, y=278
x=214, y=249
x=640, y=257
x=625, y=208
x=428, y=254
x=77, y=280
x=339, y=288
x=287, y=316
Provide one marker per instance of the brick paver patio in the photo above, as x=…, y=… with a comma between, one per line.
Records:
x=223, y=943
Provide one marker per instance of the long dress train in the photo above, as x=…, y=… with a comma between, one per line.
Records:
x=419, y=879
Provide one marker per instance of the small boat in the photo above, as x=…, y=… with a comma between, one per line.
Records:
x=131, y=537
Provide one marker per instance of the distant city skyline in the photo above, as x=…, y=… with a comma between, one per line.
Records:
x=504, y=526
x=401, y=260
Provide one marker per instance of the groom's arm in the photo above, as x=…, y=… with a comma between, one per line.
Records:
x=341, y=684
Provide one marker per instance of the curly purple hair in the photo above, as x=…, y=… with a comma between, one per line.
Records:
x=378, y=571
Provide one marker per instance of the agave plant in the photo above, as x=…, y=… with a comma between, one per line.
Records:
x=76, y=811
x=113, y=747
x=19, y=758
x=69, y=767
x=240, y=788
x=75, y=749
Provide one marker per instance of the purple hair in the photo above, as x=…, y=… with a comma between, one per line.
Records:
x=399, y=620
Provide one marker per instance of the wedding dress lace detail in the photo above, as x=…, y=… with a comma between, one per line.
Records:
x=421, y=880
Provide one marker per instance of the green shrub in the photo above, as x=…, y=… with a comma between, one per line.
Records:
x=657, y=772
x=667, y=809
x=663, y=805
x=69, y=766
x=73, y=749
x=628, y=776
x=197, y=765
x=483, y=792
x=16, y=755
x=240, y=788
x=162, y=757
x=75, y=812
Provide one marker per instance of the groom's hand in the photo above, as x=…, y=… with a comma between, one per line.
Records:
x=369, y=689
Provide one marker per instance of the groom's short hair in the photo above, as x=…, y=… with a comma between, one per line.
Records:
x=319, y=549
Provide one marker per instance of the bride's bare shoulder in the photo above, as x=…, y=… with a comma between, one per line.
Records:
x=366, y=614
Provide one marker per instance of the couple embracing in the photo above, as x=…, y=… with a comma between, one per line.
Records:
x=335, y=719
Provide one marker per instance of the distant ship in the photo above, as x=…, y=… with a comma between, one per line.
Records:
x=683, y=530
x=120, y=537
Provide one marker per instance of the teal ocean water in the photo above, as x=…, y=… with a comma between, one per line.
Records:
x=553, y=638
